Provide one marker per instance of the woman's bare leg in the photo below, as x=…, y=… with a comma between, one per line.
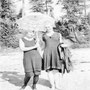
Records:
x=51, y=79
x=26, y=80
x=58, y=80
x=35, y=80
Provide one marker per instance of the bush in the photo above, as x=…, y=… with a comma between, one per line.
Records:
x=77, y=45
x=8, y=30
x=8, y=27
x=11, y=42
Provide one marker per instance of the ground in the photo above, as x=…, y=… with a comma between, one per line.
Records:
x=12, y=73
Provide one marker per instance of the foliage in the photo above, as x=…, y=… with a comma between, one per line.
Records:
x=74, y=10
x=37, y=5
x=8, y=27
x=73, y=25
x=7, y=35
x=40, y=5
x=77, y=33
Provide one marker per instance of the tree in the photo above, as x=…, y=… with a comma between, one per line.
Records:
x=41, y=6
x=38, y=5
x=8, y=27
x=74, y=25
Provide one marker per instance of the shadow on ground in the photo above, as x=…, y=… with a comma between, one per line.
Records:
x=12, y=77
x=17, y=79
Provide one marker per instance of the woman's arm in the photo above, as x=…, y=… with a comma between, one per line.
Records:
x=61, y=41
x=23, y=48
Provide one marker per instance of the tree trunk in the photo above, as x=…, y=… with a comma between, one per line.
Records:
x=26, y=7
x=46, y=8
x=22, y=7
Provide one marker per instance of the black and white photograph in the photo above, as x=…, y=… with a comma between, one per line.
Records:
x=44, y=44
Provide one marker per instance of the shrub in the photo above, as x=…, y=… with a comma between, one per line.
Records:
x=7, y=34
x=8, y=27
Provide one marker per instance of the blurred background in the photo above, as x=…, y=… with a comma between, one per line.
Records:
x=72, y=19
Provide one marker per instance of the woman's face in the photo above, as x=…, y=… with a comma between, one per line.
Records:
x=40, y=34
x=30, y=35
x=48, y=29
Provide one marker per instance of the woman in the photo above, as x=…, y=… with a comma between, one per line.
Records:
x=31, y=59
x=51, y=57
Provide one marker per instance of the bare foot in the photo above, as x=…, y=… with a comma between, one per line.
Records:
x=33, y=87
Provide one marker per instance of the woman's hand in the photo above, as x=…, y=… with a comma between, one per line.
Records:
x=64, y=45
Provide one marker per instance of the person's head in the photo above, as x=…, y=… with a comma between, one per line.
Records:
x=49, y=29
x=41, y=33
x=29, y=34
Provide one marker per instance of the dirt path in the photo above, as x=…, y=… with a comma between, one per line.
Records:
x=12, y=73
